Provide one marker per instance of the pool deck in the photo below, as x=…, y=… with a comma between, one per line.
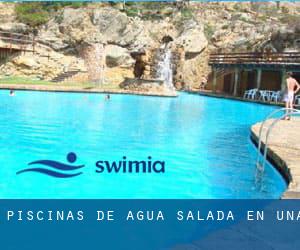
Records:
x=80, y=89
x=283, y=151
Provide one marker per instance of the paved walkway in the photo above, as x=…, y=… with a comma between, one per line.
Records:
x=284, y=151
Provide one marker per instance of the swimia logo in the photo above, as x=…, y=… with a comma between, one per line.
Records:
x=55, y=168
x=61, y=170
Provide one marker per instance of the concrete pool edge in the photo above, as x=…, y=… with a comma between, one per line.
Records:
x=282, y=157
x=74, y=89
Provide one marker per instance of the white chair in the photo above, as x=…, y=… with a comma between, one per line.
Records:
x=297, y=99
x=275, y=96
x=253, y=94
x=263, y=95
x=246, y=94
x=250, y=94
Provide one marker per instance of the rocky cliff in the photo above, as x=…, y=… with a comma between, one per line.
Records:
x=130, y=41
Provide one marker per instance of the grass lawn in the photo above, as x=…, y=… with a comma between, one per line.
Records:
x=37, y=82
x=21, y=81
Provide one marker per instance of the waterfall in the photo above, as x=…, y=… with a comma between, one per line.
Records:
x=165, y=71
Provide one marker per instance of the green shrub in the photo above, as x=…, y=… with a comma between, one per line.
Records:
x=38, y=13
x=225, y=27
x=290, y=19
x=32, y=14
x=132, y=12
x=187, y=13
x=148, y=10
x=208, y=31
x=284, y=10
x=238, y=7
x=54, y=6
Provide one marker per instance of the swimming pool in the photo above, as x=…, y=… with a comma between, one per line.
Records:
x=203, y=141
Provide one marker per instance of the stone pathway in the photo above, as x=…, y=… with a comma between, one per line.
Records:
x=284, y=151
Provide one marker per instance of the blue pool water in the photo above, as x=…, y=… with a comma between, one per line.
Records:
x=204, y=142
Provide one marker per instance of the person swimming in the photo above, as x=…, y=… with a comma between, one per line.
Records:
x=107, y=97
x=11, y=93
x=292, y=88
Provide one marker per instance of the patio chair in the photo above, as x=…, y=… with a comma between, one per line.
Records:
x=275, y=96
x=246, y=94
x=253, y=94
x=250, y=94
x=297, y=99
x=264, y=95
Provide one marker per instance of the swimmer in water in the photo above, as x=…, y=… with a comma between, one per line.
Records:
x=11, y=93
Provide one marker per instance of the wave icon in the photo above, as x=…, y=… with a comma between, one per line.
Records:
x=57, y=169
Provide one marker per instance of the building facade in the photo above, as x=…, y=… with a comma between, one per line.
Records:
x=234, y=73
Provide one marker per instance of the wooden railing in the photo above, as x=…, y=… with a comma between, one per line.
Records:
x=16, y=41
x=255, y=58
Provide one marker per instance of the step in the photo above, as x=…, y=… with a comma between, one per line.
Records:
x=65, y=75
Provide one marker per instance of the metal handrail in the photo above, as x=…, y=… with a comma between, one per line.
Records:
x=292, y=112
x=269, y=131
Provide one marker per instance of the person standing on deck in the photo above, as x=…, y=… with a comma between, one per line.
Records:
x=292, y=88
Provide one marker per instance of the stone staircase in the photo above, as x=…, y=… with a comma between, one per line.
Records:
x=65, y=76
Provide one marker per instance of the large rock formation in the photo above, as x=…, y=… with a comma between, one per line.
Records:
x=131, y=42
x=117, y=56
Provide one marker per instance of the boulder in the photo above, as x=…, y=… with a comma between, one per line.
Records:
x=111, y=23
x=192, y=38
x=194, y=69
x=52, y=40
x=285, y=37
x=117, y=75
x=73, y=17
x=136, y=36
x=76, y=27
x=118, y=56
x=14, y=27
x=153, y=87
x=25, y=61
x=246, y=17
x=7, y=12
x=220, y=34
